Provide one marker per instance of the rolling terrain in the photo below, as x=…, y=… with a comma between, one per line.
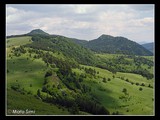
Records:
x=53, y=75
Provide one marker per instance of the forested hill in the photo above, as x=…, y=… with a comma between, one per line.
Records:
x=110, y=44
x=148, y=46
x=103, y=44
x=61, y=44
x=37, y=32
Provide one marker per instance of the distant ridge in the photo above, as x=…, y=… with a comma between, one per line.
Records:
x=110, y=44
x=103, y=44
x=148, y=46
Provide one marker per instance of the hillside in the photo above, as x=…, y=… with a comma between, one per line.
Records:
x=110, y=44
x=32, y=106
x=149, y=46
x=103, y=44
x=73, y=50
x=53, y=75
x=65, y=46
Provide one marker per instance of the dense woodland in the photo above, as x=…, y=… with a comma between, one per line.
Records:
x=114, y=45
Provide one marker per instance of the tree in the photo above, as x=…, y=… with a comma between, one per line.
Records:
x=39, y=93
x=127, y=80
x=140, y=89
x=109, y=79
x=7, y=71
x=74, y=109
x=142, y=84
x=150, y=86
x=113, y=76
x=104, y=80
x=80, y=79
x=137, y=83
x=124, y=91
x=48, y=73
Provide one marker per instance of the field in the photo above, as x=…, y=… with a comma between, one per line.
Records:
x=16, y=41
x=121, y=92
x=17, y=101
x=136, y=102
x=29, y=75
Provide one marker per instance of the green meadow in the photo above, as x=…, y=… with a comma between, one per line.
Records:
x=111, y=96
x=121, y=92
x=16, y=41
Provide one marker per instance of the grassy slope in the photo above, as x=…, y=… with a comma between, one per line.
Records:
x=130, y=66
x=109, y=97
x=35, y=77
x=140, y=102
x=26, y=72
x=16, y=41
x=108, y=93
x=30, y=72
x=15, y=101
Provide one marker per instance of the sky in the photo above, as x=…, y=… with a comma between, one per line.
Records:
x=83, y=21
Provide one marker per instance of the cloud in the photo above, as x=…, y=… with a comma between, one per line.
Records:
x=83, y=21
x=142, y=7
x=15, y=15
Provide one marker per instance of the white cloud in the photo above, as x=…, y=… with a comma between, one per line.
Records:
x=144, y=22
x=83, y=21
x=15, y=16
x=142, y=7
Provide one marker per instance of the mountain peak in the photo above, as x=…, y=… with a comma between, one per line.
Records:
x=37, y=32
x=104, y=36
x=114, y=45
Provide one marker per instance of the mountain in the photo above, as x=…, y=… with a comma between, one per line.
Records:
x=103, y=44
x=148, y=46
x=110, y=44
x=37, y=32
x=61, y=44
x=33, y=32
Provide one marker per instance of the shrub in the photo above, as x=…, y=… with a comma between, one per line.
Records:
x=127, y=80
x=140, y=89
x=104, y=80
x=142, y=84
x=124, y=90
x=15, y=87
x=48, y=73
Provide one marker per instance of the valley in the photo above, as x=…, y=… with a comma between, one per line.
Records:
x=53, y=75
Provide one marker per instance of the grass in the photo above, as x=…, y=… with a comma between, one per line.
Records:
x=17, y=41
x=128, y=67
x=107, y=94
x=108, y=56
x=139, y=103
x=17, y=101
x=29, y=73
